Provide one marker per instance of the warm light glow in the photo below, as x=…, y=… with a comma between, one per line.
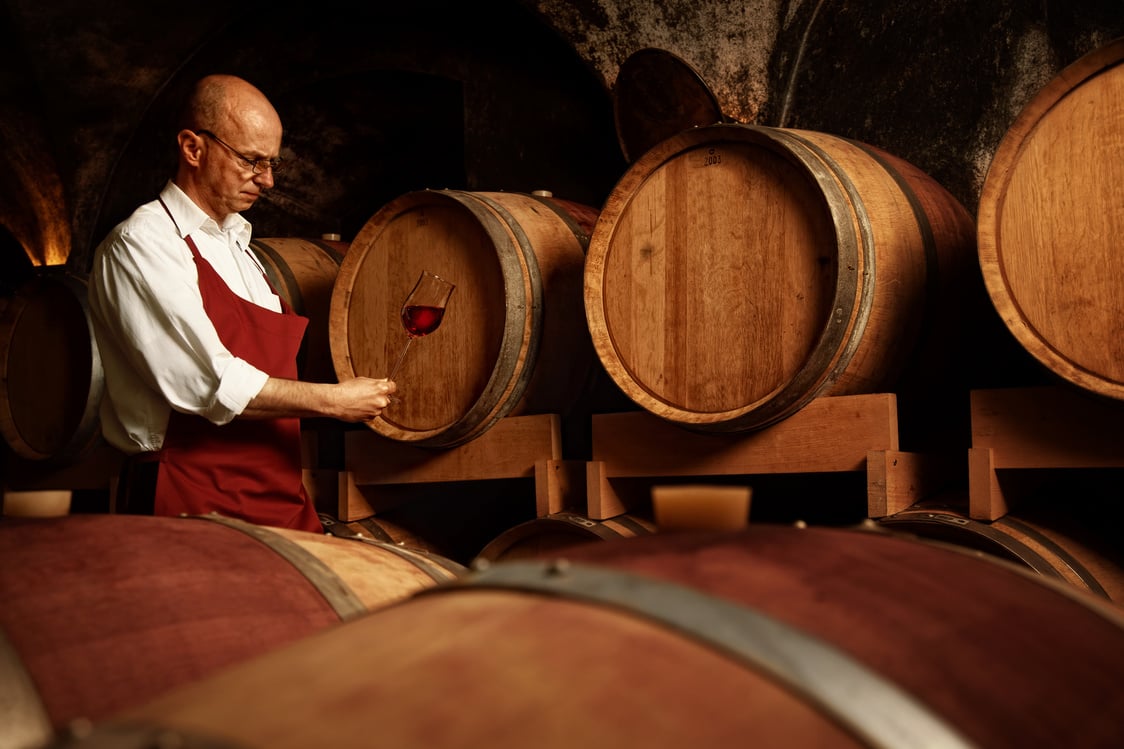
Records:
x=35, y=210
x=54, y=254
x=50, y=248
x=50, y=240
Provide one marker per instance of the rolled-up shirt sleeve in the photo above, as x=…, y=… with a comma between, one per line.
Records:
x=146, y=298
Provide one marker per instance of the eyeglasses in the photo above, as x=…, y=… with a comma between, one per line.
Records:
x=257, y=165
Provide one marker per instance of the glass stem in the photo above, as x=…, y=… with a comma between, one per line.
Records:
x=400, y=358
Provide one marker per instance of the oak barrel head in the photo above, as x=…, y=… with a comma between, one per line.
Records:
x=1050, y=221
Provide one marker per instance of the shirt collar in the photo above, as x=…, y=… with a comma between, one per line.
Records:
x=189, y=217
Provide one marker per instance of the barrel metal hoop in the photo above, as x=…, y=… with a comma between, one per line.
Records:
x=873, y=708
x=579, y=233
x=335, y=591
x=442, y=570
x=536, y=306
x=630, y=523
x=910, y=519
x=1070, y=561
x=574, y=523
x=336, y=528
x=864, y=251
x=574, y=520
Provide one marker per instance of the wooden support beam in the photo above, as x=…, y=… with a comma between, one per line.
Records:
x=897, y=480
x=1015, y=430
x=828, y=435
x=509, y=449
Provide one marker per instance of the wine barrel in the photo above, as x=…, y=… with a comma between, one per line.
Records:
x=770, y=637
x=1047, y=542
x=303, y=272
x=737, y=272
x=104, y=612
x=1049, y=225
x=513, y=339
x=380, y=529
x=558, y=531
x=51, y=378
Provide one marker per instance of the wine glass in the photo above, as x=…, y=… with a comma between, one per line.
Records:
x=422, y=311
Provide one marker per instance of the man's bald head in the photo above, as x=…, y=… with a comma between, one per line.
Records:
x=218, y=101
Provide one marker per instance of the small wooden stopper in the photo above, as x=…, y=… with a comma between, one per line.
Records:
x=37, y=504
x=701, y=507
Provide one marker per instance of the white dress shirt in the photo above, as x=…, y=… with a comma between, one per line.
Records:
x=157, y=345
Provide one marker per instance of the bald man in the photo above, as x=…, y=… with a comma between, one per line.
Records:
x=199, y=352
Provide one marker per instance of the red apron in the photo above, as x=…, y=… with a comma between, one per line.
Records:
x=248, y=469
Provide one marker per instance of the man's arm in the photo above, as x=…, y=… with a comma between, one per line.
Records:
x=358, y=399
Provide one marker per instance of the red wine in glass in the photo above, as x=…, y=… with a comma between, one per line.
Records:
x=423, y=310
x=421, y=319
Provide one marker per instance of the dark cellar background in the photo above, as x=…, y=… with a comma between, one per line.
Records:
x=382, y=98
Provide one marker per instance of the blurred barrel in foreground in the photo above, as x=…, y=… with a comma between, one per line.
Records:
x=737, y=272
x=1050, y=222
x=303, y=272
x=104, y=612
x=770, y=637
x=51, y=379
x=513, y=339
